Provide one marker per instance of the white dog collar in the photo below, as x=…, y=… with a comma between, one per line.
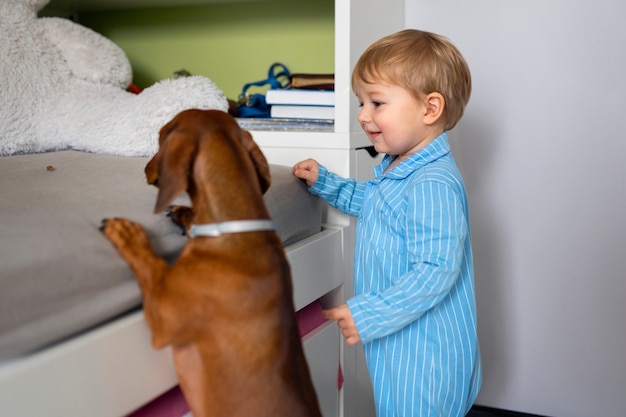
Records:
x=237, y=226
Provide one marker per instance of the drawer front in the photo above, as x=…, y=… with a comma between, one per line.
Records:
x=321, y=348
x=316, y=266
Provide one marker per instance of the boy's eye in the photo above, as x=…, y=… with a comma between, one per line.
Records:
x=371, y=103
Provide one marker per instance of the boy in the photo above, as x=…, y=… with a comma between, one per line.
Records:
x=414, y=307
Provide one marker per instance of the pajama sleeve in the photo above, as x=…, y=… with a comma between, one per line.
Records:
x=345, y=194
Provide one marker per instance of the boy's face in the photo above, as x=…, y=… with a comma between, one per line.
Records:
x=393, y=119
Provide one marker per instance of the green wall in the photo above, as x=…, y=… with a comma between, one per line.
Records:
x=231, y=43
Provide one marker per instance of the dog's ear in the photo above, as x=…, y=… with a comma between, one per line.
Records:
x=152, y=167
x=173, y=162
x=260, y=163
x=152, y=171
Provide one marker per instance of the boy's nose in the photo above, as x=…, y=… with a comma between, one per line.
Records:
x=362, y=117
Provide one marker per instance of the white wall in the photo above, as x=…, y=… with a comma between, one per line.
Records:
x=543, y=150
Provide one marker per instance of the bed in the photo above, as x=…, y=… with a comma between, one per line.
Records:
x=72, y=337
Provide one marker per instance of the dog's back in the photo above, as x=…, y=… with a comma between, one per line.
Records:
x=237, y=338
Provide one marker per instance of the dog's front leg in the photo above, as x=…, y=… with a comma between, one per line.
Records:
x=150, y=270
x=131, y=242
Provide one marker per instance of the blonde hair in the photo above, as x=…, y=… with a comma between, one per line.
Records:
x=423, y=63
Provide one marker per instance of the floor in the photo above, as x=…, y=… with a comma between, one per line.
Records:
x=478, y=411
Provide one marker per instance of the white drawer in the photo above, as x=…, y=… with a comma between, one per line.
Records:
x=321, y=348
x=316, y=266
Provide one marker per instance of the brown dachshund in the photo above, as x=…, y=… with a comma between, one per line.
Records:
x=226, y=305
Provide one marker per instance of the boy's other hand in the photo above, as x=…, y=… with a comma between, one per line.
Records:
x=345, y=322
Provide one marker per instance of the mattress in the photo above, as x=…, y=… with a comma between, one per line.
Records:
x=58, y=275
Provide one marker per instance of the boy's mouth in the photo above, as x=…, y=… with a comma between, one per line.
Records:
x=373, y=134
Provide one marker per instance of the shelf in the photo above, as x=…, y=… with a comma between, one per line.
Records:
x=286, y=125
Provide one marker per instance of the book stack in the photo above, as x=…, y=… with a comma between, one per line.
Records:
x=308, y=97
x=301, y=104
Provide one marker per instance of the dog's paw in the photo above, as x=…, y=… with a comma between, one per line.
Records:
x=123, y=233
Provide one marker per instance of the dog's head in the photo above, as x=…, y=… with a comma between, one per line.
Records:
x=202, y=136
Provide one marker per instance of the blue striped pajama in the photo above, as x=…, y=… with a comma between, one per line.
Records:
x=414, y=303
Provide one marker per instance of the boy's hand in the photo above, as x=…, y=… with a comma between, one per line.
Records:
x=345, y=322
x=307, y=170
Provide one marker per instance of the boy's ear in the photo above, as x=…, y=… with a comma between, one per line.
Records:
x=435, y=105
